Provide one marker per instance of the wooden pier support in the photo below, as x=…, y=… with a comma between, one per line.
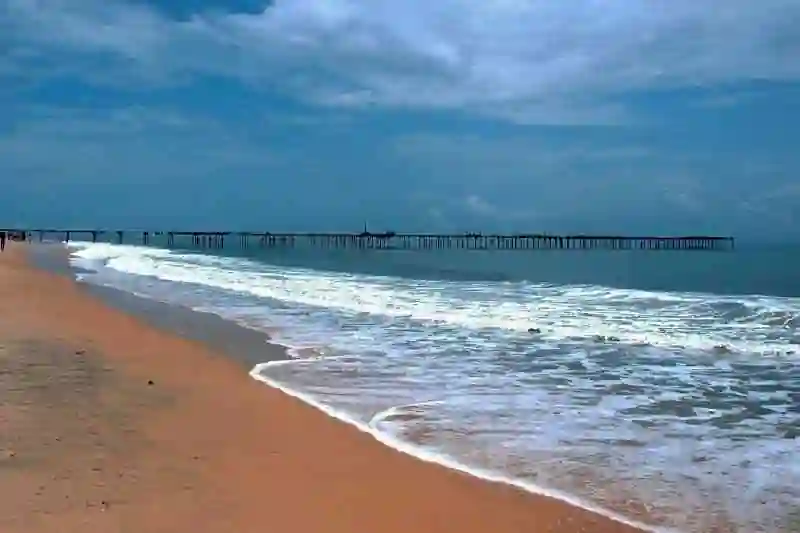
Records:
x=395, y=241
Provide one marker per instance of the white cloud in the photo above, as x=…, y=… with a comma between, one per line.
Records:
x=89, y=26
x=479, y=205
x=727, y=99
x=528, y=61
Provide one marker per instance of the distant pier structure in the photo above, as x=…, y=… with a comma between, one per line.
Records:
x=379, y=241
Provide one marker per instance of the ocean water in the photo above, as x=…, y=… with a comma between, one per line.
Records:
x=663, y=387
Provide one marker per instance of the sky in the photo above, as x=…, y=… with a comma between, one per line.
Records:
x=592, y=116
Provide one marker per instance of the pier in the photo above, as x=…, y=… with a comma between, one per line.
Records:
x=378, y=241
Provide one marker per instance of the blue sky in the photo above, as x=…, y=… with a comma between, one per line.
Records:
x=580, y=115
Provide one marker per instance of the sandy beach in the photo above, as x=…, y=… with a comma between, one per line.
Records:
x=108, y=424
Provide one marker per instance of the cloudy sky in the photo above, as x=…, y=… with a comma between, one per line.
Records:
x=667, y=116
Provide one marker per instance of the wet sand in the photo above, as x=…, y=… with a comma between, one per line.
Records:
x=109, y=424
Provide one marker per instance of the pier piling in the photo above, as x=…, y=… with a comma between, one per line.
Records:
x=393, y=241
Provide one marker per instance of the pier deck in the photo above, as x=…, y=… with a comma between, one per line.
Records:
x=380, y=241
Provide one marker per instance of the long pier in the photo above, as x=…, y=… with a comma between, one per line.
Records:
x=380, y=241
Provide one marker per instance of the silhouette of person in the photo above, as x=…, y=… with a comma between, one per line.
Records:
x=2, y=240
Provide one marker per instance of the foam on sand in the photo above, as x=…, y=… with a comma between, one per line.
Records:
x=429, y=456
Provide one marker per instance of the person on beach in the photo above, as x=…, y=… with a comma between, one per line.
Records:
x=2, y=240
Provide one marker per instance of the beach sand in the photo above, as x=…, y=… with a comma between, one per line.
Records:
x=108, y=424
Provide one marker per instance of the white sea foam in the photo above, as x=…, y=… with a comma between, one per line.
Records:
x=685, y=399
x=673, y=320
x=259, y=373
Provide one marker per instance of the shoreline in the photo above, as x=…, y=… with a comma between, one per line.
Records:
x=374, y=478
x=245, y=345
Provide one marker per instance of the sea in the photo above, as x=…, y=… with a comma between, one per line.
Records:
x=657, y=387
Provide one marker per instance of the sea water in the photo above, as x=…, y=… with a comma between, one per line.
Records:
x=660, y=386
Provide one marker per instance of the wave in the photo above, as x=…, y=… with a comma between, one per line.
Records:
x=748, y=324
x=260, y=373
